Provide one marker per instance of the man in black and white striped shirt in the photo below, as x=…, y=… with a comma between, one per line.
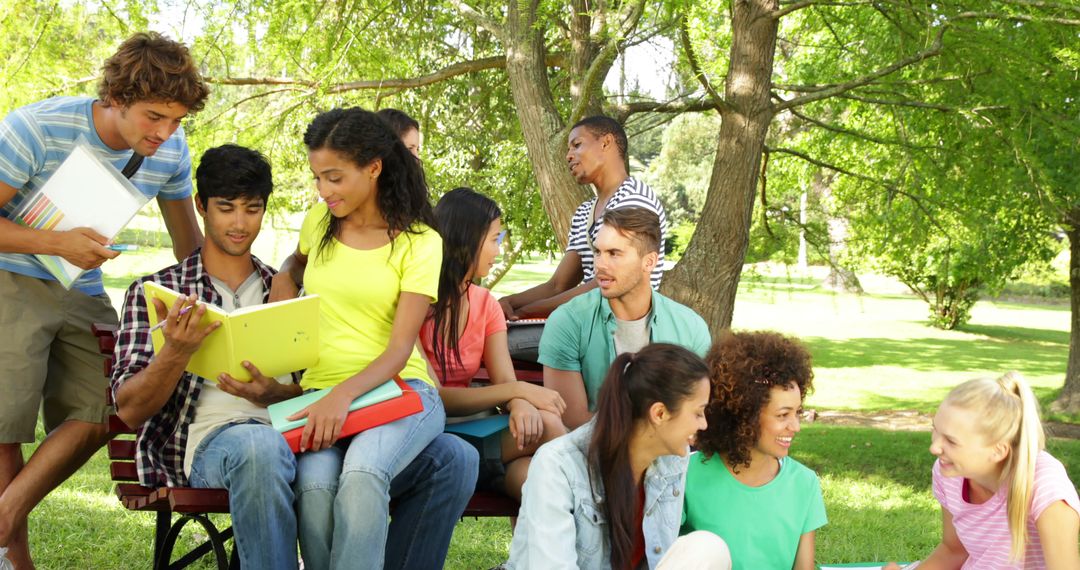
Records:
x=596, y=154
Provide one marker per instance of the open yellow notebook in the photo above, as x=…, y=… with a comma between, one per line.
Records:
x=278, y=338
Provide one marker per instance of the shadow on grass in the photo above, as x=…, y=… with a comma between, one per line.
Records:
x=1019, y=333
x=935, y=354
x=841, y=451
x=926, y=401
x=902, y=457
x=779, y=281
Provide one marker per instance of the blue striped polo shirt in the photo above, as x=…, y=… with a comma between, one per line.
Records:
x=35, y=139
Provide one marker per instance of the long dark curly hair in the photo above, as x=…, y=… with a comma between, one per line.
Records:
x=362, y=137
x=743, y=367
x=464, y=217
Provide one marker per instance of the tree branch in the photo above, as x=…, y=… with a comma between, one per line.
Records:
x=856, y=134
x=901, y=103
x=237, y=104
x=594, y=77
x=624, y=110
x=888, y=186
x=1042, y=4
x=777, y=14
x=474, y=16
x=1014, y=18
x=925, y=81
x=462, y=68
x=933, y=50
x=695, y=67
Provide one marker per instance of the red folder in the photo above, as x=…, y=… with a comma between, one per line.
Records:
x=366, y=418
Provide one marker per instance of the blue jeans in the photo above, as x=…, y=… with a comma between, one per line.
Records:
x=343, y=492
x=252, y=461
x=430, y=495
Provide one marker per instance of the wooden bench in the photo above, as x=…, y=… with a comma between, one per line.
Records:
x=195, y=505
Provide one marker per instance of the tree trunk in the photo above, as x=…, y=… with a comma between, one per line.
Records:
x=542, y=126
x=840, y=278
x=1069, y=401
x=582, y=53
x=707, y=278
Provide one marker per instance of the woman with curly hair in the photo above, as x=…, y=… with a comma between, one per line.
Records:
x=742, y=468
x=369, y=249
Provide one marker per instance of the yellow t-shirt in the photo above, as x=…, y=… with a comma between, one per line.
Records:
x=359, y=292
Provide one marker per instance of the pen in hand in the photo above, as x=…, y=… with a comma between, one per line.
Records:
x=183, y=312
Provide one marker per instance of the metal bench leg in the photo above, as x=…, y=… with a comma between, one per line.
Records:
x=215, y=541
x=161, y=530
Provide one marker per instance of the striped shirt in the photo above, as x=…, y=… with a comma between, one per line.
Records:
x=983, y=529
x=631, y=193
x=161, y=442
x=35, y=139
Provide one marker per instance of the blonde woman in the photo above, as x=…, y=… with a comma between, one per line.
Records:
x=1005, y=502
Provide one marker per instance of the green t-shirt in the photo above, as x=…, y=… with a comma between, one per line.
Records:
x=761, y=525
x=579, y=335
x=359, y=292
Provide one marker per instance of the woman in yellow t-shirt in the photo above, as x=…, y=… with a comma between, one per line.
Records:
x=369, y=249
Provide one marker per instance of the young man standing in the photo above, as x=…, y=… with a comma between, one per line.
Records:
x=50, y=360
x=583, y=336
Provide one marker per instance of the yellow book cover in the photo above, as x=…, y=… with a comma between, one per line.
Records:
x=278, y=338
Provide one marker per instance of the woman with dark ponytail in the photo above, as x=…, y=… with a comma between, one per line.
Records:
x=609, y=494
x=370, y=250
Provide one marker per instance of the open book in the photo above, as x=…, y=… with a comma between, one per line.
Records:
x=84, y=191
x=278, y=338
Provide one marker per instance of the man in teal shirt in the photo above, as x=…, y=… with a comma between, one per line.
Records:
x=583, y=336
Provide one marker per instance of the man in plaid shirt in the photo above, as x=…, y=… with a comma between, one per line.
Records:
x=212, y=433
x=197, y=433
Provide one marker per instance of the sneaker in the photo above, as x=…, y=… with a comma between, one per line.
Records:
x=5, y=564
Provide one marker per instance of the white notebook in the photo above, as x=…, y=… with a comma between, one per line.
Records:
x=84, y=191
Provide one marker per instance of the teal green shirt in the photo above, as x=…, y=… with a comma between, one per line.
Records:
x=578, y=336
x=761, y=525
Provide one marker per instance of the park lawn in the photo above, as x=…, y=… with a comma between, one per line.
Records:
x=876, y=352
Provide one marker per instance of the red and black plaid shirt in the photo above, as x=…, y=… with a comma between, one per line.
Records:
x=162, y=441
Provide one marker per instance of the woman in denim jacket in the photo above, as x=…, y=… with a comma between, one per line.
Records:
x=609, y=494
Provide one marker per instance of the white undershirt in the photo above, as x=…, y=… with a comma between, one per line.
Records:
x=631, y=336
x=214, y=407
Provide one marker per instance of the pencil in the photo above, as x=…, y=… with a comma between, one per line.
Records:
x=183, y=312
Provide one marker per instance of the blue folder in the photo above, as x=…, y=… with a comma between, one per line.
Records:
x=480, y=428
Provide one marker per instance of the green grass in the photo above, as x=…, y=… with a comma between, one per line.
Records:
x=876, y=486
x=871, y=352
x=875, y=351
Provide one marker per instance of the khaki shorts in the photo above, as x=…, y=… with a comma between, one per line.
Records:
x=49, y=359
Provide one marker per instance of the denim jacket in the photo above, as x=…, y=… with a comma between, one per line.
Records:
x=561, y=524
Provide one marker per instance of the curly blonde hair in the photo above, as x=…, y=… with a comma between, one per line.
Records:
x=743, y=368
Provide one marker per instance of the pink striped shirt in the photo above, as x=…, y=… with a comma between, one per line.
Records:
x=984, y=529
